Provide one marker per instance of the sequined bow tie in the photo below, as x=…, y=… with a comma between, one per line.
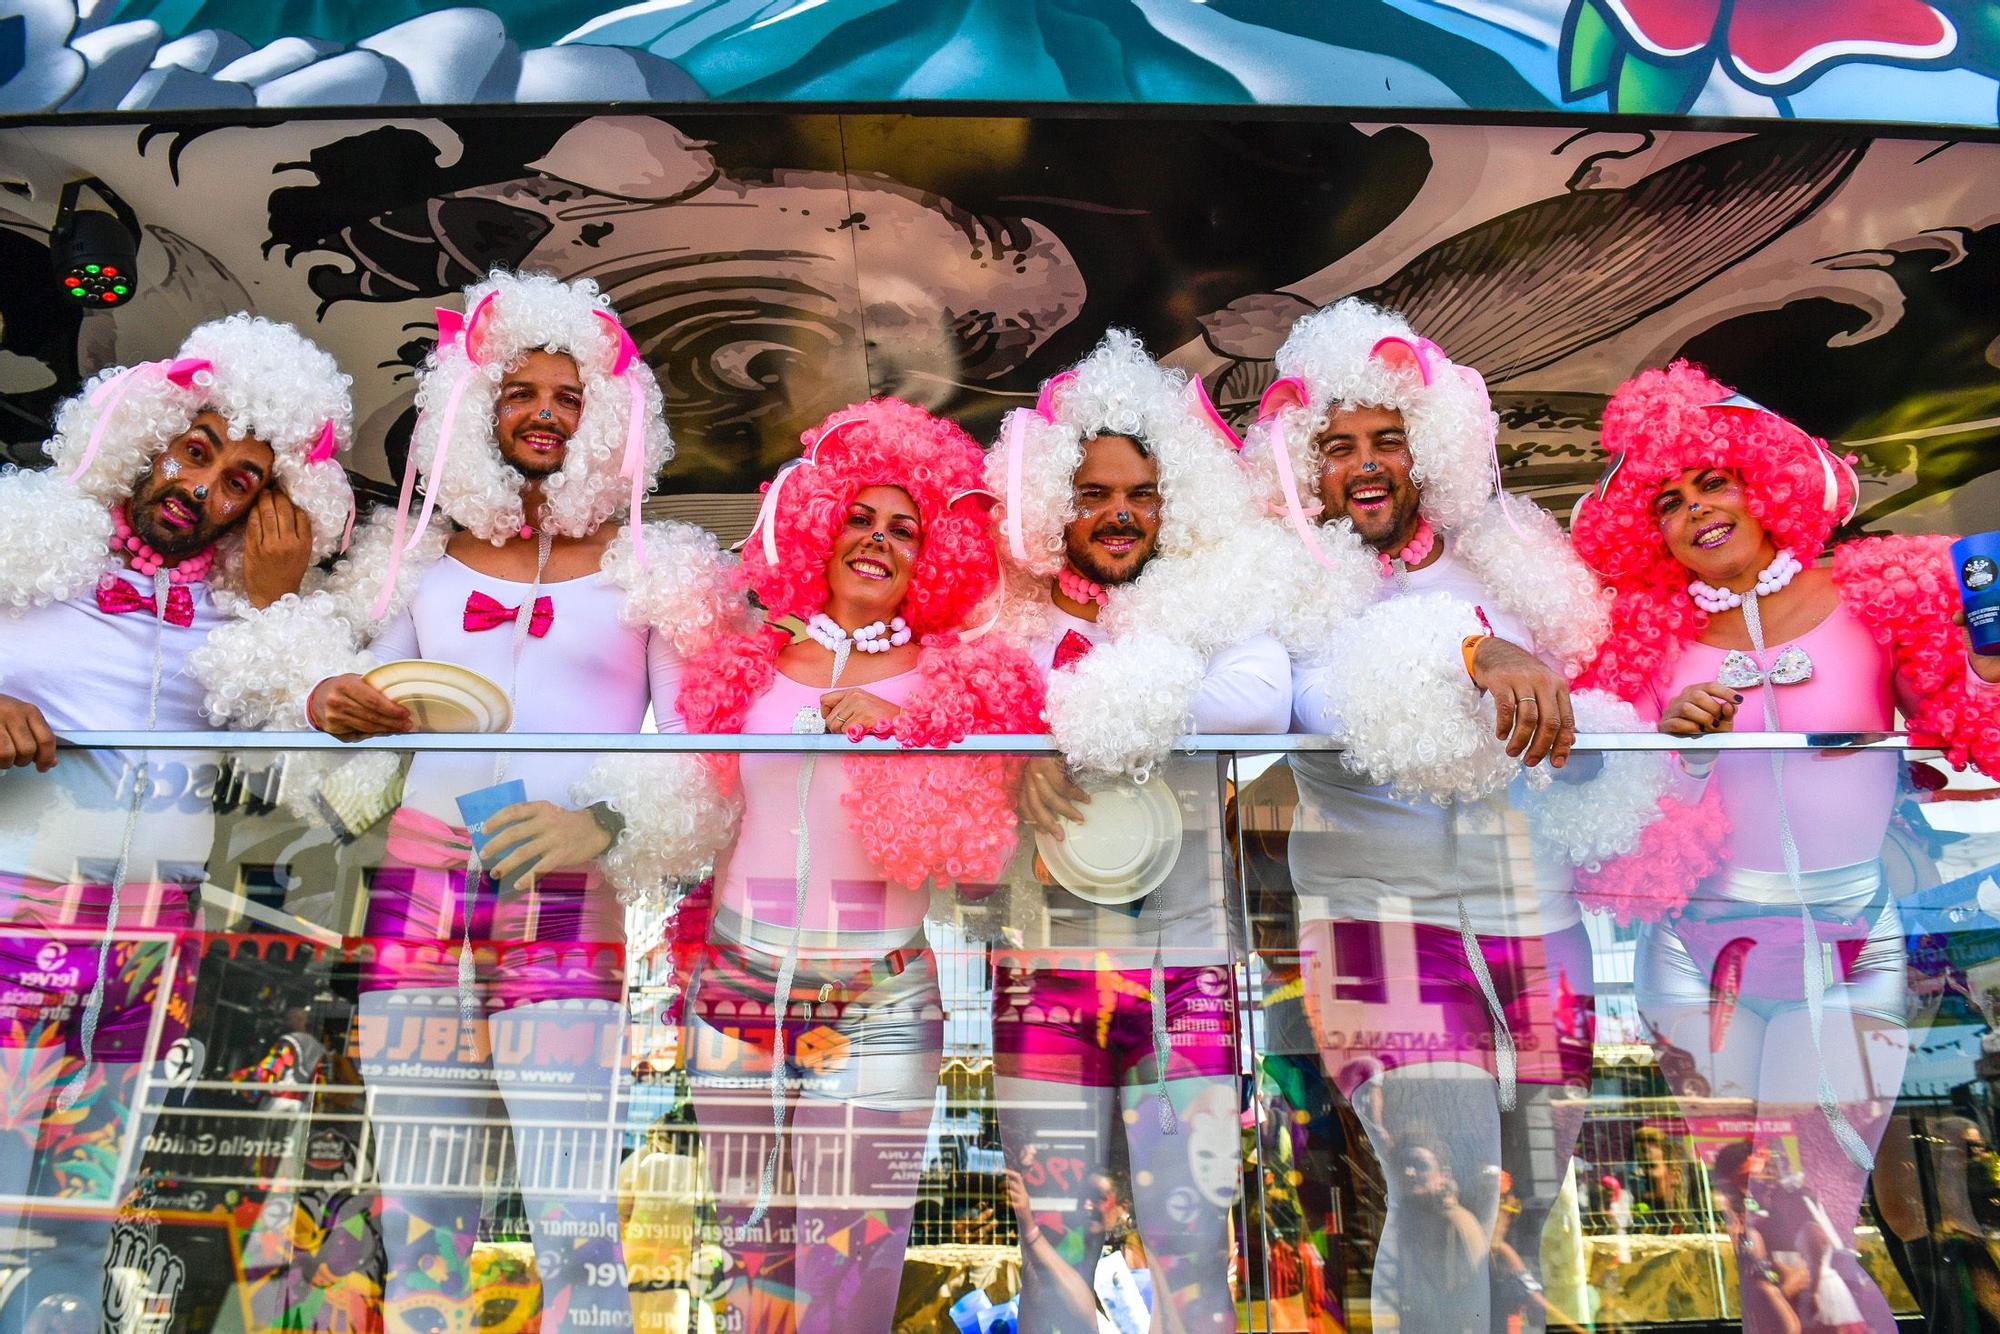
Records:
x=1068, y=649
x=1740, y=671
x=115, y=597
x=484, y=613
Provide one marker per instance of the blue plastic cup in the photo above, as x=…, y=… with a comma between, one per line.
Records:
x=1976, y=557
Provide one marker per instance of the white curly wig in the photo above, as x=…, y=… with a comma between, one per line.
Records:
x=265, y=378
x=1436, y=742
x=1119, y=709
x=1450, y=421
x=1119, y=390
x=507, y=317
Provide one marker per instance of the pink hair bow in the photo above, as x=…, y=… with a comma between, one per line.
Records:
x=323, y=451
x=1283, y=396
x=1426, y=358
x=181, y=372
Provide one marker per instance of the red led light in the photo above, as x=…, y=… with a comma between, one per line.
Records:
x=110, y=296
x=110, y=271
x=72, y=282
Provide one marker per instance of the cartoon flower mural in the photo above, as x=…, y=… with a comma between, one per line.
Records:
x=1654, y=56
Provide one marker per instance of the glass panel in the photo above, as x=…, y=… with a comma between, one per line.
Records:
x=306, y=1105
x=1679, y=1149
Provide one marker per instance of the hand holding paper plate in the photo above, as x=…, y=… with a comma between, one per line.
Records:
x=444, y=697
x=1124, y=846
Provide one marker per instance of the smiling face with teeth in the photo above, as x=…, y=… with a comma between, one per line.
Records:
x=1705, y=519
x=1364, y=475
x=1115, y=493
x=875, y=552
x=541, y=402
x=164, y=510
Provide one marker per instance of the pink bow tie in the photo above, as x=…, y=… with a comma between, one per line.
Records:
x=1068, y=649
x=115, y=597
x=483, y=613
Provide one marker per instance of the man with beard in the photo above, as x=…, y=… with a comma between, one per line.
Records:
x=540, y=426
x=1133, y=540
x=1448, y=977
x=183, y=493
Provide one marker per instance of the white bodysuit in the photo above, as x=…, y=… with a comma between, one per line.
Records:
x=91, y=671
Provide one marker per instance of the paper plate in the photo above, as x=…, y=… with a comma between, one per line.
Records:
x=1126, y=844
x=444, y=697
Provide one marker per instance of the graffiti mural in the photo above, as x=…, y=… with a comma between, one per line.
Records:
x=774, y=267
x=1897, y=60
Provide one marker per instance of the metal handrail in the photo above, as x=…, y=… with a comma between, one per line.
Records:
x=734, y=743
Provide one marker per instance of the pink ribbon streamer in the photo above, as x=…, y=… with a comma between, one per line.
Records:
x=767, y=511
x=633, y=465
x=452, y=328
x=1282, y=396
x=180, y=372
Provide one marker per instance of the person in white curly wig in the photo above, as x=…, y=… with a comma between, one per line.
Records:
x=1445, y=692
x=1130, y=534
x=539, y=424
x=182, y=493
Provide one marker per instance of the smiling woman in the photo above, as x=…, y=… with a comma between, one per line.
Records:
x=1710, y=528
x=878, y=539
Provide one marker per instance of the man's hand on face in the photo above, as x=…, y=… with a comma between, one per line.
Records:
x=1048, y=796
x=277, y=548
x=25, y=737
x=1531, y=708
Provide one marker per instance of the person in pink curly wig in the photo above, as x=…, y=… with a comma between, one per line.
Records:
x=1711, y=526
x=875, y=546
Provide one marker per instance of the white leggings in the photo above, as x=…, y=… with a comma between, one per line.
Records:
x=442, y=1092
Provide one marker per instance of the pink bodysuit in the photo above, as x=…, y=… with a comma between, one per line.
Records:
x=850, y=909
x=1839, y=803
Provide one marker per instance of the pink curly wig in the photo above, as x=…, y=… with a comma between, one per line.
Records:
x=948, y=818
x=883, y=442
x=1658, y=425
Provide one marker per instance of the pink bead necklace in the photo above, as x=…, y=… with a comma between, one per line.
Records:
x=1079, y=589
x=1422, y=542
x=139, y=554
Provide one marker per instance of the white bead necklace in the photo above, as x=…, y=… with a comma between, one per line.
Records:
x=877, y=638
x=1784, y=567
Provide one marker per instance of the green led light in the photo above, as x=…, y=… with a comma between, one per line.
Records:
x=90, y=268
x=76, y=292
x=121, y=289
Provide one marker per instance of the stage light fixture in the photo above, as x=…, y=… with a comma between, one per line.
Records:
x=96, y=253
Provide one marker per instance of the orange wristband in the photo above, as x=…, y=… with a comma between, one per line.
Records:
x=1469, y=646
